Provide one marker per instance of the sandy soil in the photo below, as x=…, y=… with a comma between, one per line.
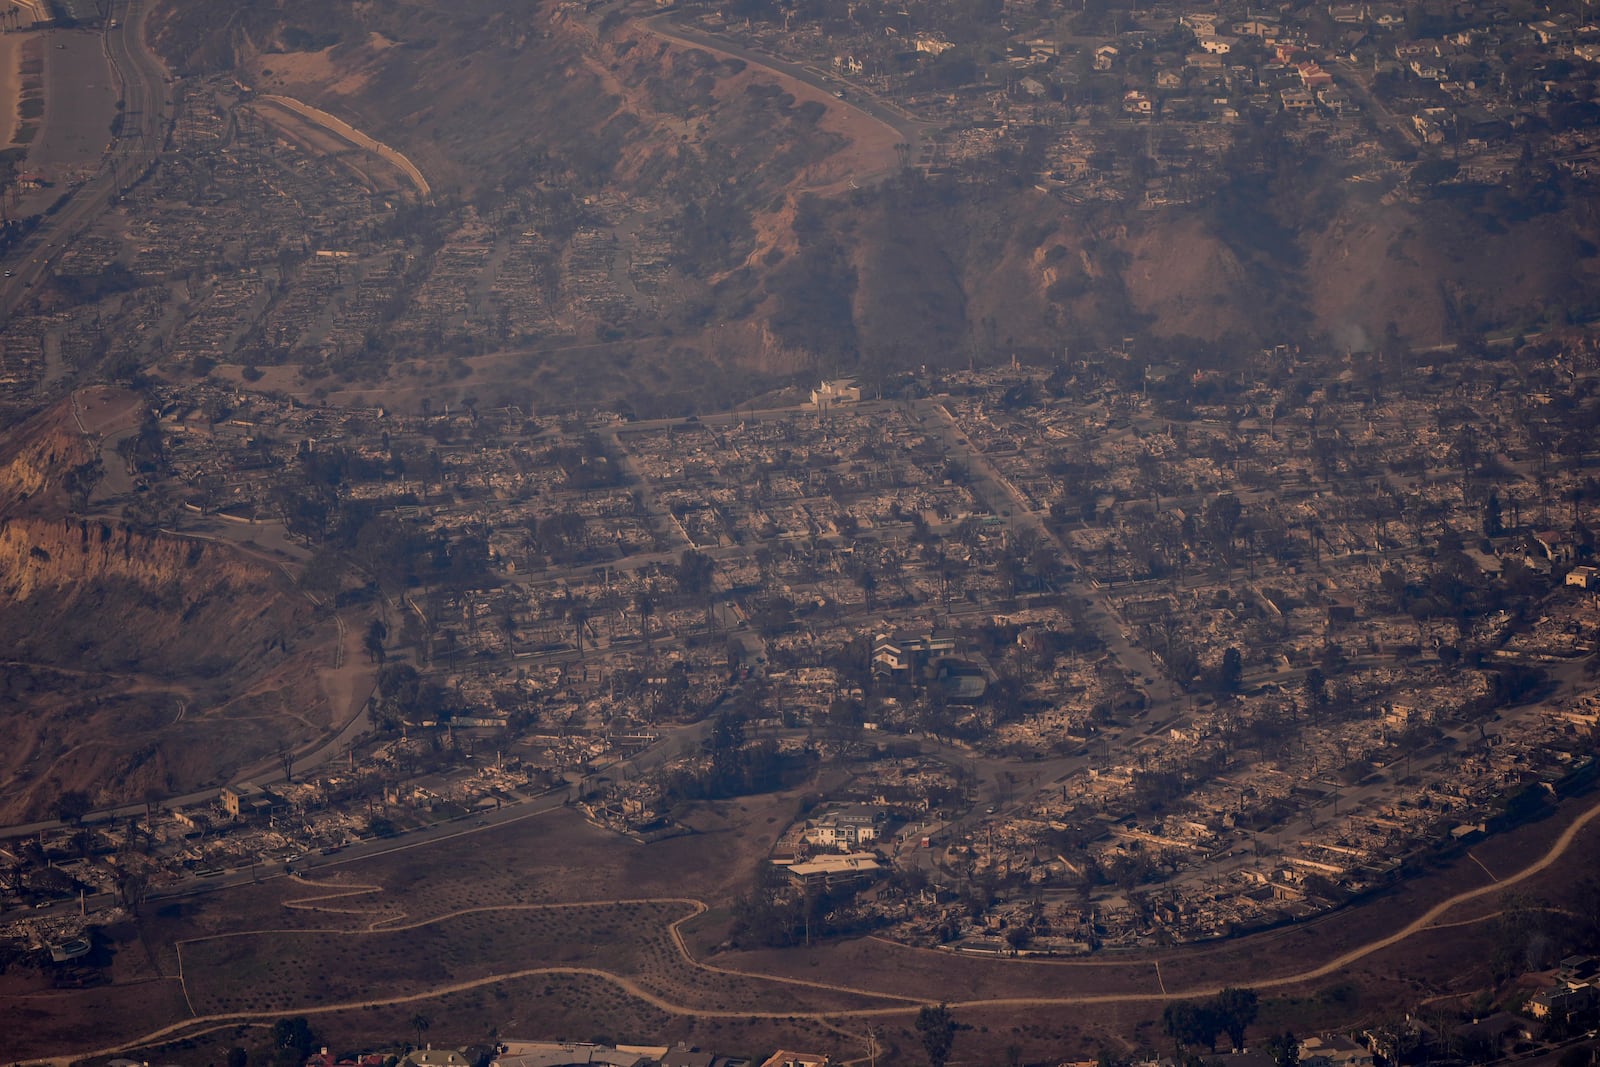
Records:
x=80, y=102
x=869, y=151
x=344, y=76
x=10, y=85
x=104, y=411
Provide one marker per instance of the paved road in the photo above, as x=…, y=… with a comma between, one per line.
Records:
x=145, y=115
x=908, y=129
x=999, y=491
x=351, y=726
x=646, y=759
x=1359, y=80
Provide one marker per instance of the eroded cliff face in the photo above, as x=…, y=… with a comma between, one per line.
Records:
x=111, y=597
x=135, y=661
x=38, y=463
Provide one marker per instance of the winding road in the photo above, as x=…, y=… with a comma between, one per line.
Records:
x=847, y=94
x=1428, y=920
x=145, y=119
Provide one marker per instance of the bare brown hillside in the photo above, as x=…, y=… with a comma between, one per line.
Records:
x=755, y=173
x=480, y=96
x=1186, y=280
x=1433, y=269
x=135, y=660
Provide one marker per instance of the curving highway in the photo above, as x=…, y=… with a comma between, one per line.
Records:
x=146, y=117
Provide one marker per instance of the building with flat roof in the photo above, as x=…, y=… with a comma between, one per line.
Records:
x=836, y=391
x=825, y=872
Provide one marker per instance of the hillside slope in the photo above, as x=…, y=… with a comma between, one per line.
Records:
x=755, y=174
x=135, y=660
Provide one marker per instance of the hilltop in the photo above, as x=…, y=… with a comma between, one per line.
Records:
x=777, y=260
x=137, y=661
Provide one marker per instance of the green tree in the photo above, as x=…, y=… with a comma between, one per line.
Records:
x=1222, y=518
x=1188, y=1023
x=868, y=581
x=727, y=732
x=1178, y=1023
x=695, y=570
x=1230, y=673
x=81, y=481
x=238, y=1057
x=1236, y=1009
x=72, y=806
x=131, y=889
x=937, y=1029
x=377, y=632
x=1316, y=687
x=293, y=1040
x=421, y=1024
x=1578, y=1056
x=1284, y=1049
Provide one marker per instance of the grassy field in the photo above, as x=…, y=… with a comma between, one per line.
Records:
x=283, y=970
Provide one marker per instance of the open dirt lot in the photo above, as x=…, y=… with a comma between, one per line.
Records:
x=80, y=102
x=10, y=85
x=869, y=142
x=553, y=927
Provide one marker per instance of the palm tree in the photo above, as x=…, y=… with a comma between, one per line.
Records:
x=868, y=581
x=578, y=611
x=420, y=1023
x=377, y=633
x=644, y=607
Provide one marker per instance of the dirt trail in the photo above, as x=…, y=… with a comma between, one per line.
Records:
x=871, y=153
x=10, y=87
x=1426, y=921
x=355, y=137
